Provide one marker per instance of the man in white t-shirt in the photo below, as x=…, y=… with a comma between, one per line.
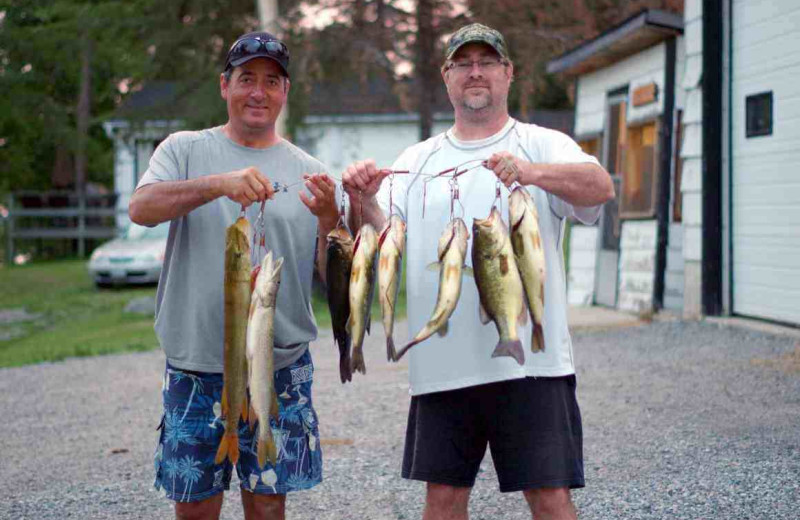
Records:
x=462, y=398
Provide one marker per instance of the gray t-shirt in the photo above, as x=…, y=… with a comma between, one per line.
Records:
x=190, y=298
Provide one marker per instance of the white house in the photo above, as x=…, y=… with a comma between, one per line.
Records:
x=695, y=116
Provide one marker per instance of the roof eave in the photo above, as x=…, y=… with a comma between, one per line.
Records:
x=635, y=34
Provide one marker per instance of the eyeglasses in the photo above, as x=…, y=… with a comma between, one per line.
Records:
x=463, y=67
x=255, y=45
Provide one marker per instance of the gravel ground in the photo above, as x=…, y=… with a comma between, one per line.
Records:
x=682, y=420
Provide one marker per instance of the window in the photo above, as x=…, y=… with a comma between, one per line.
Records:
x=638, y=174
x=759, y=114
x=591, y=146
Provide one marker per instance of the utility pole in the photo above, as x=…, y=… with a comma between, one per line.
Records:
x=268, y=20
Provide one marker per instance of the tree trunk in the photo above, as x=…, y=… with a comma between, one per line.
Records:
x=83, y=113
x=426, y=71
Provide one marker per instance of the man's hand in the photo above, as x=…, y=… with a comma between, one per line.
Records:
x=323, y=201
x=507, y=167
x=246, y=186
x=363, y=179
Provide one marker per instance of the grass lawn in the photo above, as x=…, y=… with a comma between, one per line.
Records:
x=77, y=319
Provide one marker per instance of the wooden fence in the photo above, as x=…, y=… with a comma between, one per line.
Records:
x=58, y=215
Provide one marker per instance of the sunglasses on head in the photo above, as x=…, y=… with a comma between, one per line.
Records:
x=255, y=45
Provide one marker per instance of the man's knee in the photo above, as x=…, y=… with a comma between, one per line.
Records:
x=442, y=497
x=207, y=509
x=549, y=502
x=264, y=506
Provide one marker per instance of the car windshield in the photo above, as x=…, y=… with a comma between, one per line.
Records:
x=137, y=232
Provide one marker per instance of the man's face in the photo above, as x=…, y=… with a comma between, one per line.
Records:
x=476, y=78
x=255, y=93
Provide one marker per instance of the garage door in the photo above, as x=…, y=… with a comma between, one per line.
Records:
x=766, y=159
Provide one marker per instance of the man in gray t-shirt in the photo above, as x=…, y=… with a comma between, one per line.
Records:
x=200, y=181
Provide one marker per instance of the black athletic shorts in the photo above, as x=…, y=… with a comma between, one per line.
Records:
x=532, y=426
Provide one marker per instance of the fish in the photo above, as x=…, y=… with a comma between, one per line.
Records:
x=362, y=284
x=452, y=252
x=526, y=241
x=260, y=360
x=237, y=306
x=392, y=245
x=502, y=298
x=337, y=273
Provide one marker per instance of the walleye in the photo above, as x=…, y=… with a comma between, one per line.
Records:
x=392, y=244
x=260, y=361
x=237, y=303
x=526, y=240
x=499, y=283
x=452, y=252
x=362, y=283
x=337, y=272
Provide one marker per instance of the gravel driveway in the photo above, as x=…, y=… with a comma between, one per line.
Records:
x=682, y=420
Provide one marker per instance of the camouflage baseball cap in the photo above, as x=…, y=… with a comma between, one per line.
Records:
x=476, y=33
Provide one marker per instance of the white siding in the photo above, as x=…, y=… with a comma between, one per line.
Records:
x=637, y=265
x=637, y=70
x=582, y=255
x=692, y=153
x=766, y=188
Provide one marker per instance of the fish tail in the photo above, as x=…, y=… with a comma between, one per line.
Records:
x=391, y=353
x=345, y=373
x=266, y=449
x=357, y=361
x=228, y=447
x=402, y=351
x=511, y=348
x=537, y=340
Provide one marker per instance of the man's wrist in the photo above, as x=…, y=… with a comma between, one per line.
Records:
x=529, y=174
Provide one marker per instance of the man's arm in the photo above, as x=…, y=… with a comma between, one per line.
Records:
x=580, y=184
x=361, y=181
x=168, y=200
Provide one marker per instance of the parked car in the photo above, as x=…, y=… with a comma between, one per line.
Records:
x=133, y=258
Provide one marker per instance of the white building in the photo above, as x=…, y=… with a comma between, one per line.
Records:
x=663, y=100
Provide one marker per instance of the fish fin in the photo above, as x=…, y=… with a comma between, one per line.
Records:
x=443, y=329
x=433, y=267
x=537, y=340
x=485, y=318
x=267, y=450
x=222, y=451
x=228, y=447
x=402, y=351
x=349, y=325
x=369, y=321
x=391, y=352
x=357, y=361
x=522, y=319
x=511, y=349
x=468, y=271
x=251, y=418
x=274, y=409
x=345, y=372
x=245, y=409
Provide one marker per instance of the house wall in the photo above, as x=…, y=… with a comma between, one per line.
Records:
x=673, y=278
x=636, y=264
x=582, y=257
x=634, y=71
x=765, y=194
x=692, y=155
x=339, y=141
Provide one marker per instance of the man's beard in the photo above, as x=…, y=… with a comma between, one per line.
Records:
x=476, y=103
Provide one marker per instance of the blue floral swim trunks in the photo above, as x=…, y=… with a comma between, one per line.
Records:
x=191, y=430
